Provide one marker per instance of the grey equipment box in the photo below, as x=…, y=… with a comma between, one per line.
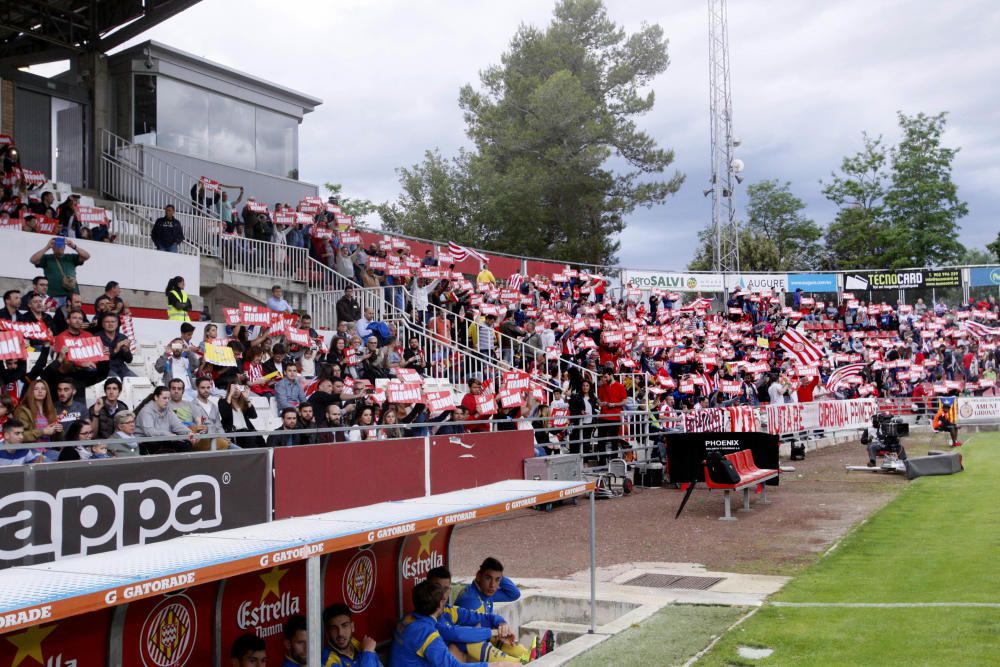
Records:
x=565, y=467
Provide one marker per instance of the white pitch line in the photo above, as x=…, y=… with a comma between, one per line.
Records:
x=887, y=605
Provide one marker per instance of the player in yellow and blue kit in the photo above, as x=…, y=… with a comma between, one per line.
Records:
x=296, y=641
x=417, y=642
x=470, y=632
x=341, y=649
x=491, y=586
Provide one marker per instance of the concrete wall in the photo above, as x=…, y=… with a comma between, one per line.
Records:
x=133, y=268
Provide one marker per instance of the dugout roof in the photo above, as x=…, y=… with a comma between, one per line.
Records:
x=35, y=594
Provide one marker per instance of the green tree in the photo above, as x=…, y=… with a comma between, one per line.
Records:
x=995, y=247
x=545, y=124
x=437, y=202
x=858, y=235
x=356, y=208
x=775, y=214
x=757, y=252
x=977, y=256
x=922, y=202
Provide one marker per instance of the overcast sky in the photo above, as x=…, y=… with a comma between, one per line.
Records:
x=808, y=78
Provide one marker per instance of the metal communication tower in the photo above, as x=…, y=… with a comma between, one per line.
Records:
x=724, y=226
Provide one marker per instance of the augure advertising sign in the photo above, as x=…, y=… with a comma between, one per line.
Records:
x=676, y=282
x=52, y=511
x=984, y=276
x=812, y=282
x=763, y=282
x=894, y=280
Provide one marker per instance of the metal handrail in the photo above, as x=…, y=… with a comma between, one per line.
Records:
x=154, y=181
x=202, y=232
x=135, y=230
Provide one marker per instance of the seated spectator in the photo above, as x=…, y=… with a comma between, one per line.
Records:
x=363, y=425
x=307, y=420
x=390, y=421
x=178, y=302
x=69, y=225
x=108, y=407
x=286, y=435
x=38, y=414
x=167, y=232
x=82, y=431
x=259, y=381
x=176, y=364
x=180, y=407
x=340, y=646
x=374, y=364
x=413, y=357
x=276, y=301
x=154, y=419
x=204, y=411
x=112, y=294
x=67, y=406
x=11, y=305
x=118, y=345
x=236, y=412
x=60, y=267
x=44, y=206
x=332, y=419
x=10, y=453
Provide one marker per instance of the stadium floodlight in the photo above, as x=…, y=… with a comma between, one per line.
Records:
x=737, y=164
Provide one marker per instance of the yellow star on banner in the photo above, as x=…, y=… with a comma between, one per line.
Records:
x=29, y=644
x=425, y=542
x=271, y=580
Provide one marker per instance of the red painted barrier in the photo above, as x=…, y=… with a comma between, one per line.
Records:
x=468, y=460
x=324, y=478
x=503, y=267
x=547, y=269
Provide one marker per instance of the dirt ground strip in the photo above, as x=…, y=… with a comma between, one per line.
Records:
x=810, y=510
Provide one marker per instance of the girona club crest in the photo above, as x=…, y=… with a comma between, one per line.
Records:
x=359, y=581
x=168, y=633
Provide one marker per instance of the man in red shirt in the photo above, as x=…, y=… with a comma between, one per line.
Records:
x=612, y=396
x=470, y=405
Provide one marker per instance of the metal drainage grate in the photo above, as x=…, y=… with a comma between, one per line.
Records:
x=653, y=580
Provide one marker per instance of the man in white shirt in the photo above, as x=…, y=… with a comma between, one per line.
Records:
x=276, y=301
x=361, y=326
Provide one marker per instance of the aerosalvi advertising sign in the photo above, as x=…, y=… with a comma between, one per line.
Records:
x=675, y=282
x=893, y=280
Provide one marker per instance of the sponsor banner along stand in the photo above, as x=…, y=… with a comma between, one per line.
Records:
x=365, y=580
x=73, y=509
x=260, y=603
x=674, y=282
x=896, y=280
x=763, y=282
x=979, y=410
x=813, y=282
x=80, y=640
x=984, y=276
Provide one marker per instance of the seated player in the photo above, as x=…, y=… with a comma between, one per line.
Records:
x=947, y=415
x=491, y=586
x=296, y=641
x=248, y=650
x=417, y=642
x=341, y=648
x=470, y=633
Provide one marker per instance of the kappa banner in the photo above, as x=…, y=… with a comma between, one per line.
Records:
x=979, y=410
x=680, y=282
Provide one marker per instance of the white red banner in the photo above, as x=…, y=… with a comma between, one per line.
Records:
x=252, y=315
x=12, y=346
x=29, y=330
x=209, y=184
x=439, y=401
x=86, y=349
x=979, y=410
x=403, y=392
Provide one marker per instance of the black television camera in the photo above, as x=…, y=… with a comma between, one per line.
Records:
x=888, y=430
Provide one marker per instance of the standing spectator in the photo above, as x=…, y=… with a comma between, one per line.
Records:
x=167, y=231
x=486, y=277
x=612, y=396
x=178, y=301
x=59, y=267
x=470, y=405
x=276, y=301
x=348, y=308
x=202, y=200
x=44, y=207
x=420, y=292
x=68, y=222
x=174, y=364
x=226, y=208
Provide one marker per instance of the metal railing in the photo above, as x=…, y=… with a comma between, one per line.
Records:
x=131, y=174
x=135, y=229
x=202, y=232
